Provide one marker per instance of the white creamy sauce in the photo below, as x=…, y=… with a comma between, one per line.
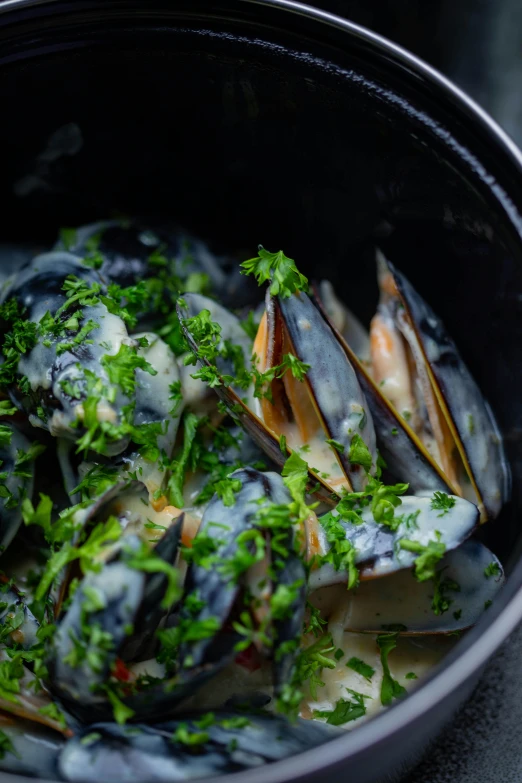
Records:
x=134, y=511
x=411, y=655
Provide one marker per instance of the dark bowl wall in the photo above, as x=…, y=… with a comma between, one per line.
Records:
x=311, y=141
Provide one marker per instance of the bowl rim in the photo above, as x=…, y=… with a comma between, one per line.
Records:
x=472, y=652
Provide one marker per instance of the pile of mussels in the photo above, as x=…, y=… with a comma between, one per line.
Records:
x=225, y=533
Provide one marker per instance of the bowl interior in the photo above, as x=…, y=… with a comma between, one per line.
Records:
x=246, y=134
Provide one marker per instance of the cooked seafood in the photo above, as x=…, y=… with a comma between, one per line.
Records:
x=266, y=530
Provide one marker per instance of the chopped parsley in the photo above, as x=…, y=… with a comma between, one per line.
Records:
x=342, y=552
x=442, y=502
x=390, y=688
x=121, y=367
x=345, y=710
x=361, y=668
x=428, y=555
x=187, y=459
x=359, y=453
x=492, y=569
x=278, y=269
x=335, y=445
x=441, y=601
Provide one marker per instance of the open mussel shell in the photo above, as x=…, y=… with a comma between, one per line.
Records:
x=35, y=749
x=400, y=602
x=405, y=456
x=107, y=607
x=240, y=406
x=142, y=644
x=132, y=249
x=378, y=551
x=15, y=485
x=213, y=596
x=334, y=389
x=288, y=629
x=108, y=752
x=217, y=590
x=30, y=703
x=130, y=504
x=51, y=371
x=468, y=416
x=18, y=625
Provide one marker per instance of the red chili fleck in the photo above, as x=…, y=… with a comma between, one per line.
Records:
x=121, y=672
x=249, y=659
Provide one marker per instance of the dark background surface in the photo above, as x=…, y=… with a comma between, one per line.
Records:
x=478, y=44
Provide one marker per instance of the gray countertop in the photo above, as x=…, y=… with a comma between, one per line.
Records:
x=483, y=742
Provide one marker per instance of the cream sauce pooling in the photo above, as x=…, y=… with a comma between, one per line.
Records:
x=411, y=655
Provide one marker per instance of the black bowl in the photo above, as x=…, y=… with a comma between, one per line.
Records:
x=266, y=121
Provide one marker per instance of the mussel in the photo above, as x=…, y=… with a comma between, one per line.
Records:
x=130, y=251
x=422, y=373
x=207, y=630
x=221, y=743
x=109, y=605
x=16, y=480
x=29, y=749
x=303, y=408
x=18, y=625
x=466, y=582
x=382, y=549
x=61, y=366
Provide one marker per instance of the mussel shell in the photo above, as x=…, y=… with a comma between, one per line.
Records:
x=468, y=415
x=38, y=287
x=142, y=643
x=142, y=753
x=18, y=487
x=127, y=245
x=131, y=601
x=123, y=589
x=36, y=750
x=376, y=545
x=217, y=591
x=400, y=601
x=332, y=381
x=343, y=321
x=12, y=603
x=28, y=703
x=289, y=629
x=405, y=456
x=240, y=410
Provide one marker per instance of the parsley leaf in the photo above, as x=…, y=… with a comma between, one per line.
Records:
x=186, y=459
x=442, y=502
x=428, y=555
x=225, y=489
x=492, y=569
x=345, y=710
x=281, y=271
x=441, y=602
x=121, y=367
x=342, y=552
x=361, y=668
x=359, y=453
x=390, y=688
